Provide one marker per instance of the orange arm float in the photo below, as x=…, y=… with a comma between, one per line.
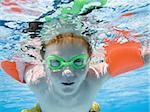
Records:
x=124, y=57
x=11, y=69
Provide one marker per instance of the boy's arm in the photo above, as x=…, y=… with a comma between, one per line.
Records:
x=124, y=58
x=97, y=76
x=99, y=71
x=146, y=54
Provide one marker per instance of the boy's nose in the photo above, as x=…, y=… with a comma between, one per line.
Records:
x=67, y=73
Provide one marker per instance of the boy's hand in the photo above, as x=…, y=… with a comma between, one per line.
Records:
x=100, y=69
x=34, y=72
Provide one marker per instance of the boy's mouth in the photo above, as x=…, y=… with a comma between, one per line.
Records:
x=67, y=83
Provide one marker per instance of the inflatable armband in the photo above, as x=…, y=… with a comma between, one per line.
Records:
x=11, y=69
x=124, y=57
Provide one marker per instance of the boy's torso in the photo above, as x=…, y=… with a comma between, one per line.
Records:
x=80, y=102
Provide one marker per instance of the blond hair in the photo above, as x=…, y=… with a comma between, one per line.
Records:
x=65, y=38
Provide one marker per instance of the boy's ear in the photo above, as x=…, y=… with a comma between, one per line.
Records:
x=11, y=69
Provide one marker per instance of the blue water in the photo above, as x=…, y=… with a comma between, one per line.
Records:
x=128, y=92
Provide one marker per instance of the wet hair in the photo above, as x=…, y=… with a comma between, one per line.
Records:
x=65, y=38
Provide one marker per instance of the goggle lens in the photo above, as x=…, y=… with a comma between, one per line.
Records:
x=54, y=63
x=79, y=63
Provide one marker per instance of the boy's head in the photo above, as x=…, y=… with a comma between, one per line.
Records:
x=68, y=38
x=66, y=61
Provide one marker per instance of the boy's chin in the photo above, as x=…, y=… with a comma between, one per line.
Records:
x=68, y=90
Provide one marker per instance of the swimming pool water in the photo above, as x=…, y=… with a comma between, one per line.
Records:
x=126, y=93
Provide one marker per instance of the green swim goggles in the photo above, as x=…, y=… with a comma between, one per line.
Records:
x=57, y=63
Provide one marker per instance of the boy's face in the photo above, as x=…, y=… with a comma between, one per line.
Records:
x=68, y=79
